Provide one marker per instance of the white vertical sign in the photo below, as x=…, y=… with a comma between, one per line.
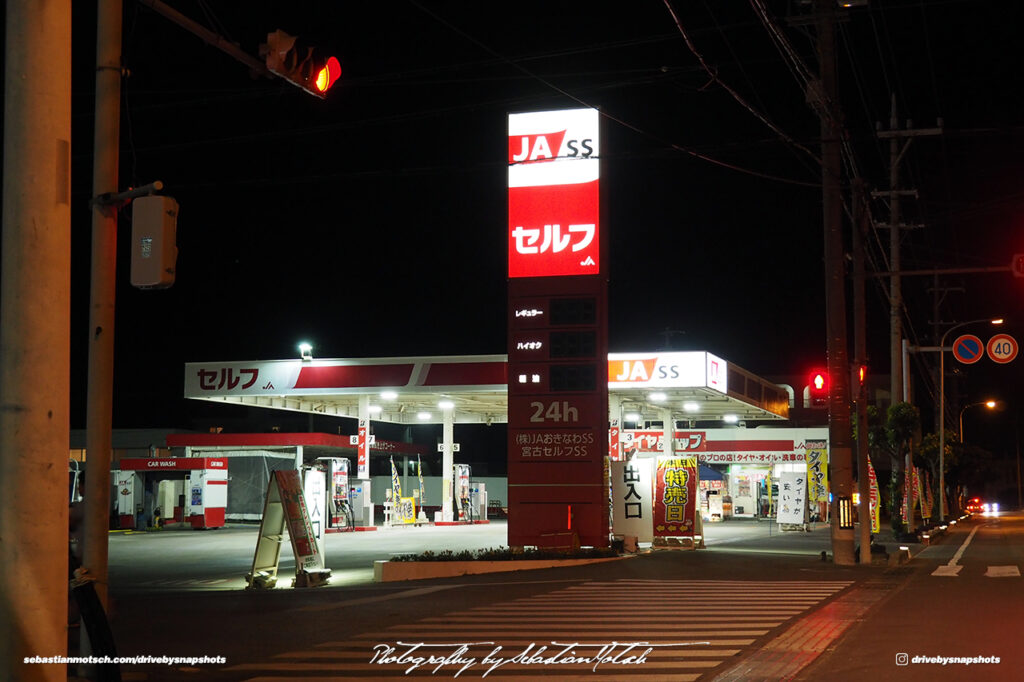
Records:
x=792, y=497
x=631, y=499
x=314, y=488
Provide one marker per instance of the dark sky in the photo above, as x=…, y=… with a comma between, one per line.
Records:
x=372, y=223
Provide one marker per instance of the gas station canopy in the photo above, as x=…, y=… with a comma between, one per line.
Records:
x=694, y=385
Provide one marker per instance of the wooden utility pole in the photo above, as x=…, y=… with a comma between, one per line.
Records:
x=35, y=355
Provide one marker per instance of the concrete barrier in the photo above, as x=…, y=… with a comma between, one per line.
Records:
x=393, y=571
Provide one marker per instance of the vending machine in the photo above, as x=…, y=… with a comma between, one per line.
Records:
x=361, y=503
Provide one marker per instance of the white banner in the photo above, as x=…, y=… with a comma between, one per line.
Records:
x=316, y=504
x=792, y=503
x=632, y=495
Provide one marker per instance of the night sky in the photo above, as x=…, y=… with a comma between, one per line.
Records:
x=372, y=224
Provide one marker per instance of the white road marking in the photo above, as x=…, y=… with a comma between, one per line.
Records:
x=951, y=570
x=1002, y=572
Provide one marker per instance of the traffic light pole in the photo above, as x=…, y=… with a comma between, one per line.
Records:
x=840, y=451
x=208, y=36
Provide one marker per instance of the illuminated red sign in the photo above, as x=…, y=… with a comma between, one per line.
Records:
x=553, y=206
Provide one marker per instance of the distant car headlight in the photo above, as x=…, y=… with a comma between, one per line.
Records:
x=995, y=506
x=985, y=507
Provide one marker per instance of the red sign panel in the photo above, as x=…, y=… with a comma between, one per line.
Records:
x=553, y=198
x=558, y=338
x=675, y=497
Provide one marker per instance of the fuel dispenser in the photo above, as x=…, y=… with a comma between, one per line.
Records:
x=340, y=512
x=462, y=492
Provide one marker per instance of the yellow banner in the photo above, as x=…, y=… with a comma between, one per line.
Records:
x=817, y=471
x=876, y=520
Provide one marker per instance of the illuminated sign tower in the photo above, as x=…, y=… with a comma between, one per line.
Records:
x=557, y=332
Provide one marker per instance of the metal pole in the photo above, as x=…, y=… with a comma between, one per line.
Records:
x=1016, y=435
x=942, y=412
x=35, y=357
x=100, y=389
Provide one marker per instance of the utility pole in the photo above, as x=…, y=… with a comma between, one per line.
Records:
x=840, y=451
x=100, y=387
x=897, y=150
x=35, y=355
x=861, y=220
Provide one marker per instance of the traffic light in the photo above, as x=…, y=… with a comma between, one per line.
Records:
x=154, y=242
x=307, y=67
x=1017, y=265
x=817, y=388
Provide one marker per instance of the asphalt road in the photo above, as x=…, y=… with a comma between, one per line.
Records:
x=941, y=612
x=752, y=606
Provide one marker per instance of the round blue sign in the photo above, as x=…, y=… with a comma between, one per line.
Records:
x=968, y=349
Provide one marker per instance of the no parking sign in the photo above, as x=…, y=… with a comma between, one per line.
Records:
x=968, y=349
x=1002, y=348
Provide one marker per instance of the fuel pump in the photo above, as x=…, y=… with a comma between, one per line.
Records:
x=462, y=494
x=339, y=503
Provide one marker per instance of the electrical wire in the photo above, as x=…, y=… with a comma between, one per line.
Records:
x=605, y=114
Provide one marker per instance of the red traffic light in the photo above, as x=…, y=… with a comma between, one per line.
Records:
x=1017, y=265
x=303, y=66
x=817, y=388
x=327, y=75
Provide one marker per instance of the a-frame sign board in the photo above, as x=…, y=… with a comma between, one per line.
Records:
x=285, y=504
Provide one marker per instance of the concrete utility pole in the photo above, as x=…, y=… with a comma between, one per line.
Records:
x=100, y=389
x=35, y=356
x=840, y=450
x=897, y=149
x=861, y=220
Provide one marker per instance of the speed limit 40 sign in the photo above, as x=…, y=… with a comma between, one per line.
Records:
x=1002, y=348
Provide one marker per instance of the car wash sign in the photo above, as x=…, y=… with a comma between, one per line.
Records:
x=553, y=208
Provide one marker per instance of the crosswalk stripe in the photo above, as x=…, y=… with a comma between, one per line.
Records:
x=719, y=641
x=480, y=667
x=365, y=654
x=691, y=627
x=569, y=677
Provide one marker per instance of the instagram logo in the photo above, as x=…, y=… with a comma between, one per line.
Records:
x=901, y=659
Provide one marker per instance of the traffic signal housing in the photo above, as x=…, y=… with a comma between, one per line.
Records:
x=817, y=388
x=1017, y=265
x=154, y=242
x=309, y=68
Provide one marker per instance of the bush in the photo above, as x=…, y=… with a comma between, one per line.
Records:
x=506, y=554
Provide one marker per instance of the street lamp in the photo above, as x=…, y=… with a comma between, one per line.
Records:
x=942, y=411
x=990, y=404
